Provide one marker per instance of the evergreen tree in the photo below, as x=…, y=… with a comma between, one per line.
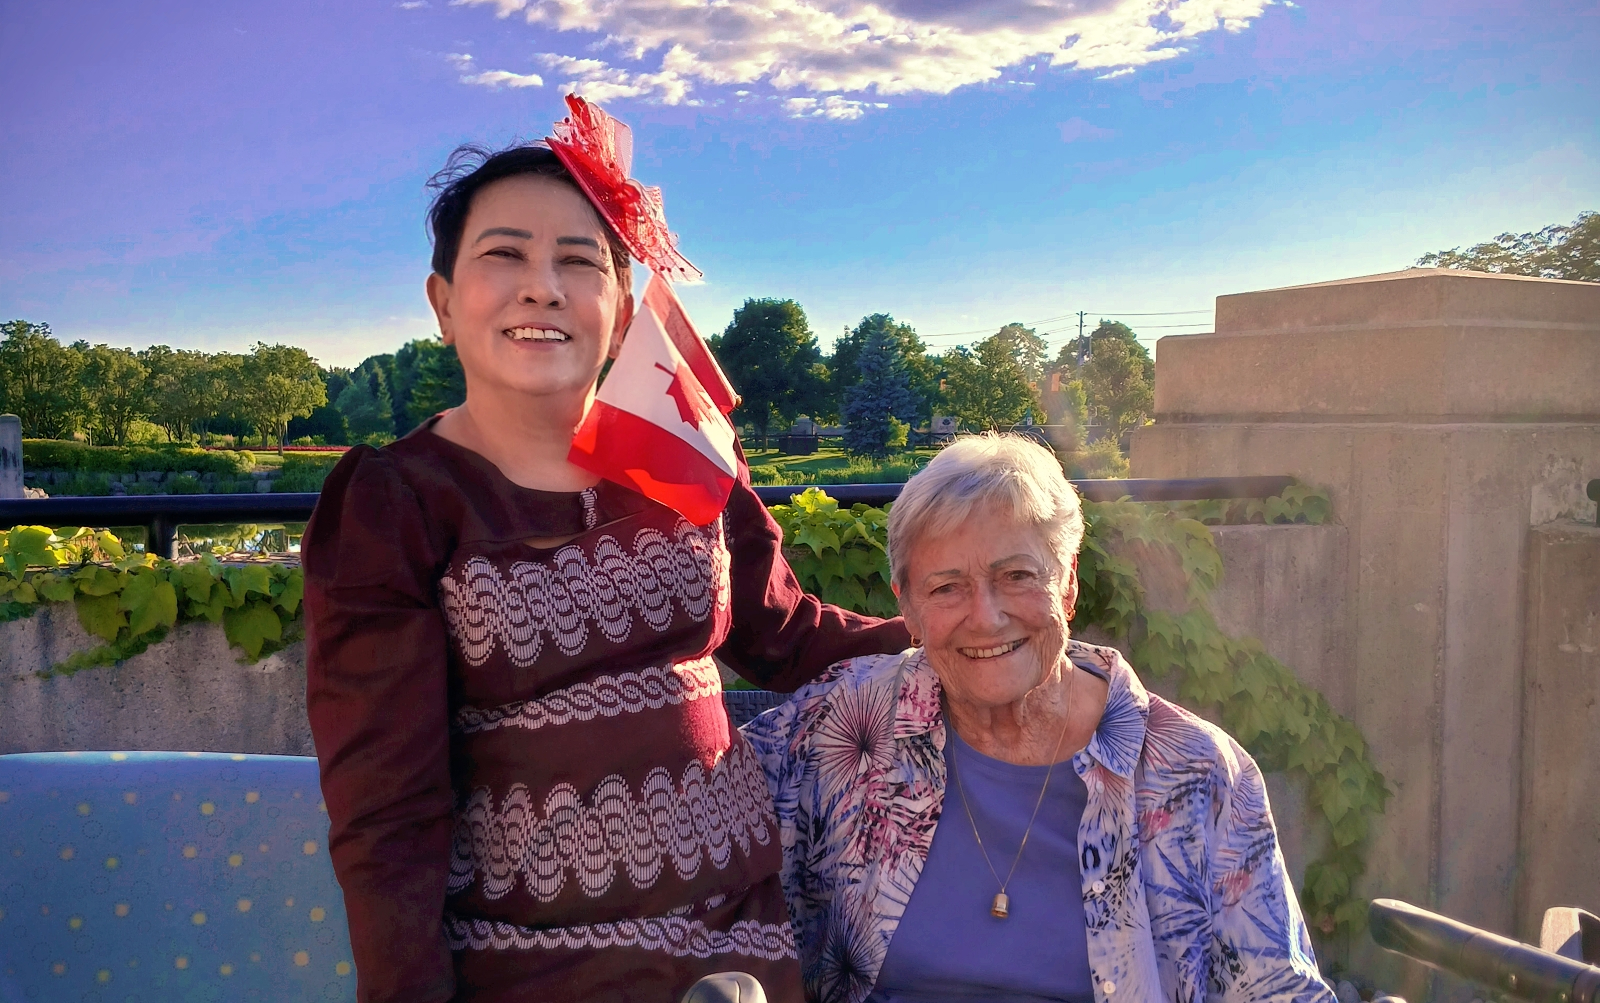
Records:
x=440, y=382
x=881, y=391
x=366, y=402
x=844, y=366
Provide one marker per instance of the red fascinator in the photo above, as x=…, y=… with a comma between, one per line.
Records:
x=598, y=151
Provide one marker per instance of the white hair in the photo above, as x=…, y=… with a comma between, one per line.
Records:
x=1009, y=471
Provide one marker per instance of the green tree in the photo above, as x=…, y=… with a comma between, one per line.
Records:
x=1114, y=382
x=39, y=380
x=224, y=384
x=439, y=384
x=1556, y=252
x=365, y=403
x=327, y=421
x=280, y=382
x=844, y=368
x=772, y=360
x=1027, y=347
x=1115, y=330
x=881, y=393
x=402, y=370
x=115, y=392
x=987, y=388
x=181, y=387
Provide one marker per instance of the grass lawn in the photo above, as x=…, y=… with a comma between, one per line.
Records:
x=834, y=466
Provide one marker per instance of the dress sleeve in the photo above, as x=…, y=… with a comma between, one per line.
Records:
x=782, y=638
x=1263, y=949
x=377, y=696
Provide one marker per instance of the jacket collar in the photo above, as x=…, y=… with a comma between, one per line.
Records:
x=1117, y=741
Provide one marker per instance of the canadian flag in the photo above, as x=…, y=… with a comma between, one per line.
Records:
x=659, y=423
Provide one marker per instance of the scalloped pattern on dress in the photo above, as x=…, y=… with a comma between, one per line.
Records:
x=604, y=696
x=675, y=935
x=667, y=823
x=607, y=588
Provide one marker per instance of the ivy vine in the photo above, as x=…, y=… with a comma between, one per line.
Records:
x=840, y=555
x=130, y=600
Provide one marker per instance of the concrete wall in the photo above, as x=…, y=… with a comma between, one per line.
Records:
x=1446, y=413
x=1283, y=585
x=188, y=693
x=1560, y=825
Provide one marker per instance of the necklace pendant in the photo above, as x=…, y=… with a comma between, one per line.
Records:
x=1002, y=906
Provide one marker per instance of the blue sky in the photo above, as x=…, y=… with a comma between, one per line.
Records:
x=209, y=174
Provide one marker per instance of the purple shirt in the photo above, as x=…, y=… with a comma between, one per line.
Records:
x=948, y=946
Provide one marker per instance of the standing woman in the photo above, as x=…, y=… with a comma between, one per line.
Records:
x=533, y=788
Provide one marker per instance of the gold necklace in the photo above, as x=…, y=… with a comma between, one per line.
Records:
x=1001, y=907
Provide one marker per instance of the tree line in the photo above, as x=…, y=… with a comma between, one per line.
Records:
x=881, y=379
x=277, y=392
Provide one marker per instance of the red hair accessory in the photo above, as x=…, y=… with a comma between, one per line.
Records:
x=598, y=151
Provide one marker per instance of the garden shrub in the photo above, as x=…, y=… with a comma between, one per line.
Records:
x=305, y=471
x=61, y=454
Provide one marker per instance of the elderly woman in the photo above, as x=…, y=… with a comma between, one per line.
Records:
x=1097, y=842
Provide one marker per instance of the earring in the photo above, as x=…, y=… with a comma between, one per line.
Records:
x=916, y=642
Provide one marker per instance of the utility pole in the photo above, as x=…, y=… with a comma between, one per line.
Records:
x=1083, y=344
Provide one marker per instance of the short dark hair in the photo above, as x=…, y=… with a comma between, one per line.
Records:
x=468, y=170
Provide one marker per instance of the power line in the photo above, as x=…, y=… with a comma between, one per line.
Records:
x=1164, y=313
x=1077, y=322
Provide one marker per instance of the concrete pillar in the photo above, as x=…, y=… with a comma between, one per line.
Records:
x=1446, y=412
x=1560, y=824
x=10, y=456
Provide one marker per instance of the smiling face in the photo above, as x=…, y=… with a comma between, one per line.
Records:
x=991, y=605
x=535, y=305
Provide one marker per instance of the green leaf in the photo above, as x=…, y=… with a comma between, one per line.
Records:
x=100, y=616
x=213, y=606
x=250, y=626
x=55, y=588
x=30, y=545
x=196, y=579
x=817, y=536
x=242, y=581
x=108, y=543
x=293, y=591
x=150, y=602
x=95, y=580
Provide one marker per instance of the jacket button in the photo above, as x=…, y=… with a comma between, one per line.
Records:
x=1099, y=889
x=1108, y=987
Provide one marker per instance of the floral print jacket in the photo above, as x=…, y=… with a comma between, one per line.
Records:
x=1186, y=893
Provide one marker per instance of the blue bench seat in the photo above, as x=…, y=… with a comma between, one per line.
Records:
x=169, y=877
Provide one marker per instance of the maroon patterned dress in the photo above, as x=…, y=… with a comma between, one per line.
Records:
x=533, y=788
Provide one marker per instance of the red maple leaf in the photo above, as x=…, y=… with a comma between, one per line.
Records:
x=694, y=405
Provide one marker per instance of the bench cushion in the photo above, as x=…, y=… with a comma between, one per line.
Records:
x=159, y=876
x=177, y=876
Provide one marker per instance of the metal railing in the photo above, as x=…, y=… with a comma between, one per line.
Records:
x=1520, y=971
x=161, y=515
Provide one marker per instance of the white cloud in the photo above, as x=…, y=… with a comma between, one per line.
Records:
x=503, y=78
x=833, y=106
x=840, y=47
x=600, y=83
x=411, y=4
x=491, y=78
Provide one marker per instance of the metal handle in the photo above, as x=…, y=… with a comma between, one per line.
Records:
x=1518, y=970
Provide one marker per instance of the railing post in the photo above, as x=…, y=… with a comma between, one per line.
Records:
x=10, y=456
x=161, y=534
